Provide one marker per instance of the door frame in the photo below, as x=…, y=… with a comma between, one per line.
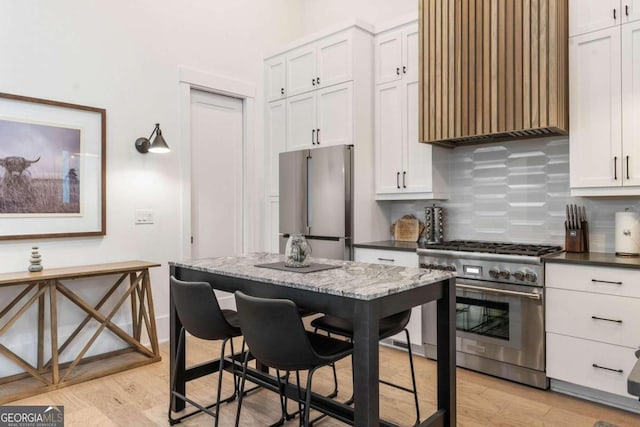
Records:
x=193, y=79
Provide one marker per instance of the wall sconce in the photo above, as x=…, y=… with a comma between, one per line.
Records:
x=159, y=145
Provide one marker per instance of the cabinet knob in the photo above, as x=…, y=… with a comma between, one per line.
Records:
x=398, y=70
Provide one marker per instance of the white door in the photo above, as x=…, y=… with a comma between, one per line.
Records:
x=417, y=156
x=275, y=72
x=388, y=57
x=334, y=60
x=301, y=70
x=388, y=135
x=216, y=178
x=631, y=103
x=595, y=109
x=410, y=40
x=335, y=120
x=301, y=121
x=631, y=10
x=592, y=15
x=275, y=141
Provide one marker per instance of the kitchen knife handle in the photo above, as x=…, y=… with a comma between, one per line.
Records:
x=615, y=168
x=313, y=137
x=404, y=179
x=398, y=179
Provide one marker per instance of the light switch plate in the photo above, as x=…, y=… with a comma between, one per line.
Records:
x=144, y=216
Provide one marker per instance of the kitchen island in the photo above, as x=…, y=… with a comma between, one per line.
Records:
x=360, y=292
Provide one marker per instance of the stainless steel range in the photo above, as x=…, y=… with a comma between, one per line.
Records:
x=499, y=307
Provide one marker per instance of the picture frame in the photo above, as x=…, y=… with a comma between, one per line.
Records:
x=52, y=169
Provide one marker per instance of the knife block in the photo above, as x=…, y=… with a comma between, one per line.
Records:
x=576, y=239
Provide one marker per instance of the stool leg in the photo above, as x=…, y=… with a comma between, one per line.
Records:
x=244, y=377
x=334, y=393
x=413, y=378
x=220, y=371
x=307, y=402
x=178, y=360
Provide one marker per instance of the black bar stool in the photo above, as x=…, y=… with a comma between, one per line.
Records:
x=276, y=336
x=201, y=316
x=388, y=326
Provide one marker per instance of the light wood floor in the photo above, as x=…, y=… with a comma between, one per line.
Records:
x=139, y=397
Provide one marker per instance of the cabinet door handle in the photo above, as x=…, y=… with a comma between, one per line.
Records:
x=615, y=168
x=627, y=168
x=605, y=319
x=318, y=136
x=626, y=9
x=313, y=82
x=404, y=179
x=313, y=137
x=614, y=14
x=317, y=80
x=398, y=71
x=387, y=259
x=606, y=281
x=608, y=369
x=398, y=179
x=404, y=69
x=282, y=91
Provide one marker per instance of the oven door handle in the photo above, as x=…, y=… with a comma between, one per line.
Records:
x=501, y=291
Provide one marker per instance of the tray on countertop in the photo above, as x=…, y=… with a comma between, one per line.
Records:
x=310, y=269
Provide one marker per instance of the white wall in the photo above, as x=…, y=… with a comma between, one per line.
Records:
x=124, y=56
x=317, y=14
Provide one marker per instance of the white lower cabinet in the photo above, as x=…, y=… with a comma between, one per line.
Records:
x=592, y=324
x=401, y=259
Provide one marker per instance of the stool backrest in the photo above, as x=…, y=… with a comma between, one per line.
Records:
x=274, y=332
x=199, y=311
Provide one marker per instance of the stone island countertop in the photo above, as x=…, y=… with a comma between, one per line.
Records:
x=352, y=279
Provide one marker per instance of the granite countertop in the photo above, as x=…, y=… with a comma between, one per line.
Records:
x=392, y=245
x=353, y=279
x=594, y=259
x=633, y=383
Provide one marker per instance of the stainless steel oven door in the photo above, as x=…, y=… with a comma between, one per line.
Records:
x=502, y=322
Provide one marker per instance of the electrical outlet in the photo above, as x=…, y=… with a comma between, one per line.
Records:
x=144, y=216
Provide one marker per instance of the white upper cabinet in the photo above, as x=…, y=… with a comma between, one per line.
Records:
x=320, y=64
x=301, y=70
x=301, y=121
x=630, y=10
x=631, y=104
x=275, y=138
x=334, y=115
x=405, y=168
x=276, y=78
x=595, y=109
x=396, y=55
x=388, y=57
x=592, y=15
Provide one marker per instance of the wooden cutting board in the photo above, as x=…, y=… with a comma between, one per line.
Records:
x=407, y=230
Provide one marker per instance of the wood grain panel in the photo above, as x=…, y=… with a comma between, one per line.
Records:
x=544, y=61
x=438, y=70
x=535, y=88
x=423, y=77
x=526, y=64
x=445, y=69
x=517, y=86
x=486, y=67
x=493, y=69
x=464, y=44
x=472, y=67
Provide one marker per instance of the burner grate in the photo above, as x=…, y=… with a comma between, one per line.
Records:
x=495, y=247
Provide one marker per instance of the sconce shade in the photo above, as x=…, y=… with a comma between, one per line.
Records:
x=159, y=145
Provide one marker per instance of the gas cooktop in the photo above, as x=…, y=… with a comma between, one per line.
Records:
x=494, y=247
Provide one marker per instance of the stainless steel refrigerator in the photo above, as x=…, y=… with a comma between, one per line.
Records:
x=316, y=200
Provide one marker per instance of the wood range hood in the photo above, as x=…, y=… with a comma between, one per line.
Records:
x=492, y=70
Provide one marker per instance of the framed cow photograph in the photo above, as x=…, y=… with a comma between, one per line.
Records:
x=52, y=169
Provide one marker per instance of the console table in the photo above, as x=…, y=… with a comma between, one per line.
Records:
x=47, y=373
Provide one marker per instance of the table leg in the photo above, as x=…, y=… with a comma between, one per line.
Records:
x=446, y=352
x=175, y=325
x=55, y=369
x=366, y=389
x=41, y=303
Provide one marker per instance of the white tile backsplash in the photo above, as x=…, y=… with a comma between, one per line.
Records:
x=517, y=192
